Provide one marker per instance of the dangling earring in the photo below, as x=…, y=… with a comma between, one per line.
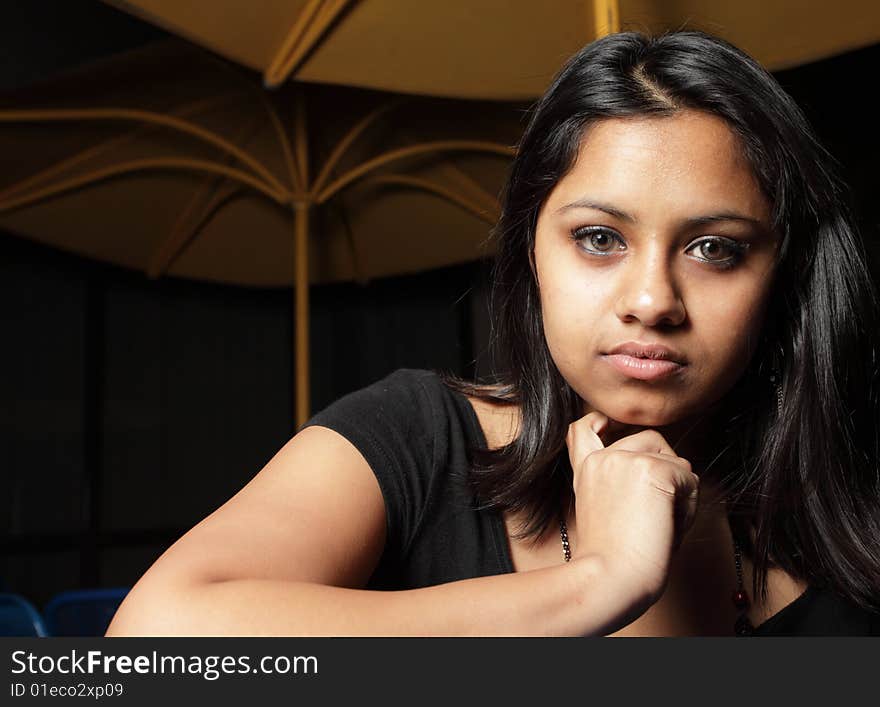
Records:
x=775, y=376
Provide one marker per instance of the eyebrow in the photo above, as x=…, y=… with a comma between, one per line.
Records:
x=623, y=216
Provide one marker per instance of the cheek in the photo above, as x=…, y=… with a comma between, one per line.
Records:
x=572, y=308
x=729, y=328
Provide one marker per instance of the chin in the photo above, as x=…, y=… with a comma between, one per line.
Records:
x=643, y=416
x=646, y=418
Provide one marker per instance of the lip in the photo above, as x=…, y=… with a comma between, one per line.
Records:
x=655, y=352
x=643, y=361
x=645, y=369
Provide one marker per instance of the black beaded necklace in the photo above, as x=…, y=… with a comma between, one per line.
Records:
x=742, y=626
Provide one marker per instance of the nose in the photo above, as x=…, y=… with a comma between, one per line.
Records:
x=647, y=291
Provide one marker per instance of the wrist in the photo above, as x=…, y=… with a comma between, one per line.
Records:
x=610, y=596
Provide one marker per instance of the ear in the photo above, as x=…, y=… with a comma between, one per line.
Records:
x=533, y=267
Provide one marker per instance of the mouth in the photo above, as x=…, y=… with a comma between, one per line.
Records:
x=644, y=361
x=646, y=369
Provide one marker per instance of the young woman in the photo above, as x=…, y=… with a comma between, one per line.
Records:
x=684, y=442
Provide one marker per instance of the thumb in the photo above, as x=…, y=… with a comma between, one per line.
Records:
x=583, y=437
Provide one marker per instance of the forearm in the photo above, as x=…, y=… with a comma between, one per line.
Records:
x=565, y=600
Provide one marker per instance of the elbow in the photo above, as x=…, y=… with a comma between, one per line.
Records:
x=150, y=612
x=138, y=618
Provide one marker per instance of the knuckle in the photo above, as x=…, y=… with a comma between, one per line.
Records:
x=608, y=458
x=657, y=473
x=645, y=463
x=594, y=459
x=643, y=470
x=655, y=437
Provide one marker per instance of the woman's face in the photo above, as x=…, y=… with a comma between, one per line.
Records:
x=659, y=234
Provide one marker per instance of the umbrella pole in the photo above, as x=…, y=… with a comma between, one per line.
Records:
x=301, y=312
x=301, y=284
x=607, y=17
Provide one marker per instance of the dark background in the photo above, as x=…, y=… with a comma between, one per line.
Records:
x=132, y=408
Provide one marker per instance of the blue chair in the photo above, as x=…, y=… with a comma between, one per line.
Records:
x=83, y=612
x=18, y=617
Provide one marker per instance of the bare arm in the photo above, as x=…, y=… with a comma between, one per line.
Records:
x=555, y=601
x=289, y=553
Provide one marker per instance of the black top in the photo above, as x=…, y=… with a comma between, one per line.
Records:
x=414, y=432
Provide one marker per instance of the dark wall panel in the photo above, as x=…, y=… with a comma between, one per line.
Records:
x=362, y=333
x=198, y=397
x=120, y=564
x=41, y=391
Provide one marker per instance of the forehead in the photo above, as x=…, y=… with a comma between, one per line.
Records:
x=686, y=162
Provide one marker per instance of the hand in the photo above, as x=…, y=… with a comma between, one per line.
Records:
x=634, y=501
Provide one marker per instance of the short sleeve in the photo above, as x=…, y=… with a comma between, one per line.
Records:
x=389, y=422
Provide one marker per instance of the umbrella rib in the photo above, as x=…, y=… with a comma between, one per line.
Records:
x=181, y=236
x=149, y=117
x=349, y=236
x=489, y=202
x=347, y=141
x=274, y=118
x=113, y=143
x=140, y=166
x=309, y=29
x=413, y=150
x=295, y=181
x=439, y=190
x=302, y=140
x=177, y=239
x=470, y=187
x=302, y=21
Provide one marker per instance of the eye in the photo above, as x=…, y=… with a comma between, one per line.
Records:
x=597, y=240
x=709, y=249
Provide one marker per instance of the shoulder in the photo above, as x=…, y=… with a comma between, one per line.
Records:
x=408, y=382
x=416, y=403
x=394, y=421
x=404, y=388
x=395, y=424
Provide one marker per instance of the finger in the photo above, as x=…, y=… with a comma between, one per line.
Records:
x=673, y=458
x=687, y=490
x=687, y=496
x=691, y=505
x=597, y=421
x=684, y=481
x=675, y=476
x=647, y=441
x=686, y=511
x=583, y=435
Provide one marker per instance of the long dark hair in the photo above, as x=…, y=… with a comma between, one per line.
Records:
x=800, y=464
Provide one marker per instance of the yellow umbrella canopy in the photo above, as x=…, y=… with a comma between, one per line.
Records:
x=171, y=161
x=494, y=49
x=194, y=148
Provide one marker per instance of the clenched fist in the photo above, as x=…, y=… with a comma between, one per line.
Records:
x=634, y=501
